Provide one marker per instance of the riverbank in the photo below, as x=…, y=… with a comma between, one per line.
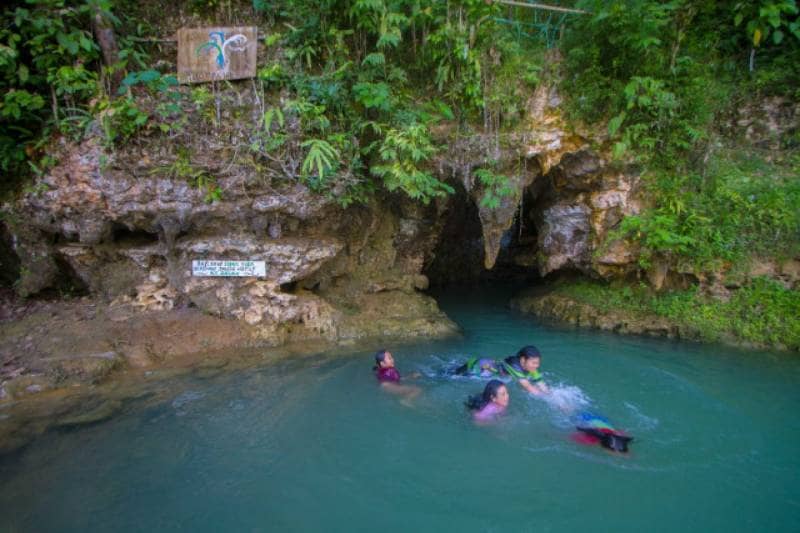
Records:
x=761, y=315
x=78, y=360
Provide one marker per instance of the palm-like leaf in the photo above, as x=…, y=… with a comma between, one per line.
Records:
x=321, y=156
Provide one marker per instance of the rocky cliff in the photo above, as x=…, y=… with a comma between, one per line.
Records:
x=124, y=224
x=119, y=230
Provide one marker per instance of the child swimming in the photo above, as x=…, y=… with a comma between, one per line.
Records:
x=389, y=377
x=594, y=429
x=524, y=367
x=491, y=403
x=384, y=367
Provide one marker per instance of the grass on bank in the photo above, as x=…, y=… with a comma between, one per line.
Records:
x=763, y=312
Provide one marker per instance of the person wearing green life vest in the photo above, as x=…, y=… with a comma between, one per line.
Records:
x=524, y=367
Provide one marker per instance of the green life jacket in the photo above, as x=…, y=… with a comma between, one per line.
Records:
x=518, y=373
x=474, y=368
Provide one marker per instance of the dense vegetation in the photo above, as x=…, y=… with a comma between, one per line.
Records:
x=667, y=76
x=763, y=313
x=369, y=77
x=353, y=89
x=357, y=96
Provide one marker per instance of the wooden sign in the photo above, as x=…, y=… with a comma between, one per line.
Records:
x=212, y=54
x=229, y=269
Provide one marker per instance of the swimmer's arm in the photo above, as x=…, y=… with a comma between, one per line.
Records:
x=535, y=389
x=398, y=388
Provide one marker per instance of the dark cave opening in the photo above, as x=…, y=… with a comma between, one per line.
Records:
x=459, y=255
x=124, y=236
x=9, y=261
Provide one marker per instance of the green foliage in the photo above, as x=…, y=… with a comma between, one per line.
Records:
x=495, y=188
x=120, y=119
x=321, y=157
x=364, y=71
x=660, y=72
x=647, y=69
x=373, y=95
x=456, y=50
x=183, y=169
x=46, y=58
x=273, y=75
x=402, y=153
x=768, y=18
x=17, y=104
x=763, y=312
x=152, y=79
x=507, y=86
x=742, y=207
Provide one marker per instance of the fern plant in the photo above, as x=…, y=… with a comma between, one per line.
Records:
x=321, y=157
x=402, y=152
x=496, y=187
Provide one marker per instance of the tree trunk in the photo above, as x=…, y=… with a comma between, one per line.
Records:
x=104, y=33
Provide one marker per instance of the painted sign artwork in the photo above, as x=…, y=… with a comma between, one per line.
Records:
x=229, y=269
x=212, y=54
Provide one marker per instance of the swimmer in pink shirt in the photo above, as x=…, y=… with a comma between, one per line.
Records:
x=491, y=404
x=389, y=377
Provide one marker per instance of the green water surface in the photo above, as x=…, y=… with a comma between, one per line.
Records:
x=314, y=444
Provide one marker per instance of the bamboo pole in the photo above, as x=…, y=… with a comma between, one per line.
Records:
x=543, y=7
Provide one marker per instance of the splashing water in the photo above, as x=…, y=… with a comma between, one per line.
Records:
x=566, y=398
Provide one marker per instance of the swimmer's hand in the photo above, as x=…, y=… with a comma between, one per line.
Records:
x=537, y=389
x=414, y=375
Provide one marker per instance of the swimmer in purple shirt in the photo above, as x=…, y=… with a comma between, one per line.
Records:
x=491, y=404
x=389, y=377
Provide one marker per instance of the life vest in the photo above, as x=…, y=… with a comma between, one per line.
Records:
x=477, y=366
x=512, y=367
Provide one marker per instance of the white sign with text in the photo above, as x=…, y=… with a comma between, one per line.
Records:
x=229, y=269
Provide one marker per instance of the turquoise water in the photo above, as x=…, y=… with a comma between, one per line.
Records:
x=313, y=444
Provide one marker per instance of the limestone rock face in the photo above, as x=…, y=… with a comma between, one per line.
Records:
x=127, y=228
x=548, y=137
x=564, y=237
x=559, y=189
x=287, y=260
x=768, y=122
x=495, y=221
x=589, y=200
x=566, y=310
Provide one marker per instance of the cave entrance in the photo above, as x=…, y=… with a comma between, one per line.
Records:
x=124, y=236
x=459, y=255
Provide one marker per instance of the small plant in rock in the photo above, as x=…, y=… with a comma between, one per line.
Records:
x=164, y=89
x=322, y=158
x=496, y=187
x=120, y=119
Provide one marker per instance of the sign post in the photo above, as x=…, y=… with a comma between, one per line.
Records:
x=217, y=53
x=229, y=269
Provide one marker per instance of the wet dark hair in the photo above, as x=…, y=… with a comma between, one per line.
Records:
x=380, y=355
x=479, y=401
x=617, y=443
x=529, y=351
x=612, y=441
